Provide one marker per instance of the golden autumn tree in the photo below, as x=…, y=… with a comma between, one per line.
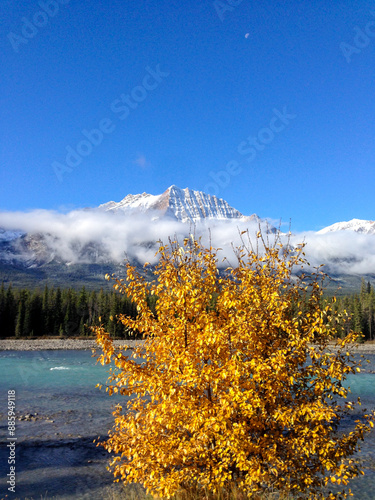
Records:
x=235, y=382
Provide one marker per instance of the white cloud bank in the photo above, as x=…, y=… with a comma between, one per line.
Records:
x=343, y=252
x=71, y=237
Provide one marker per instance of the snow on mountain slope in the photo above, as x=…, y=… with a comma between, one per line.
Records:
x=90, y=236
x=142, y=202
x=357, y=225
x=132, y=227
x=10, y=235
x=184, y=205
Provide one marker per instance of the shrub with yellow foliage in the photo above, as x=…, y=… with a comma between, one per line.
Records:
x=236, y=381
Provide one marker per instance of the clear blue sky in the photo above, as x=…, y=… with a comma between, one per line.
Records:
x=221, y=74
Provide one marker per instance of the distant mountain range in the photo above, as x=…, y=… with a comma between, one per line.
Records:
x=184, y=205
x=357, y=225
x=80, y=247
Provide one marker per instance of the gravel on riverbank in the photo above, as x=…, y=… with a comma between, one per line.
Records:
x=53, y=344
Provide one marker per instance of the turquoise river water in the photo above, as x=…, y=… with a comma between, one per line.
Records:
x=55, y=455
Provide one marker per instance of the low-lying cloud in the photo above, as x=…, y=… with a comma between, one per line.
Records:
x=84, y=236
x=342, y=252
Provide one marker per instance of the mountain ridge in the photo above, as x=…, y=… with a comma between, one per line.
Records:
x=185, y=205
x=357, y=225
x=85, y=241
x=174, y=206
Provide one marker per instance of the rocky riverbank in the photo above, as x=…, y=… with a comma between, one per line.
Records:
x=81, y=343
x=53, y=344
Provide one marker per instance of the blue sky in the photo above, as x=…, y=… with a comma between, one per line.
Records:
x=259, y=103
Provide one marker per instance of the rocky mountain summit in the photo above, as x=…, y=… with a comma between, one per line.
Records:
x=184, y=205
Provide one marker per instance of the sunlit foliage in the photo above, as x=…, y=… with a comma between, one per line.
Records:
x=236, y=382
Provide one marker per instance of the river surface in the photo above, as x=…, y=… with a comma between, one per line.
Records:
x=55, y=453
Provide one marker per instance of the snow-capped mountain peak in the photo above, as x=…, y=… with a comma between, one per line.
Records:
x=357, y=225
x=185, y=205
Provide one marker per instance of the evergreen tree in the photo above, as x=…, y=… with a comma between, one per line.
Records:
x=363, y=292
x=82, y=310
x=46, y=311
x=10, y=313
x=36, y=314
x=71, y=322
x=370, y=321
x=27, y=320
x=92, y=308
x=21, y=311
x=102, y=304
x=56, y=311
x=2, y=310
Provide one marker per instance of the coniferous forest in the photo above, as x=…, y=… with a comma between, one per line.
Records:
x=61, y=312
x=361, y=308
x=70, y=313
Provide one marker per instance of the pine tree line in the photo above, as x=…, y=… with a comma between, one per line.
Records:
x=70, y=313
x=56, y=312
x=361, y=309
